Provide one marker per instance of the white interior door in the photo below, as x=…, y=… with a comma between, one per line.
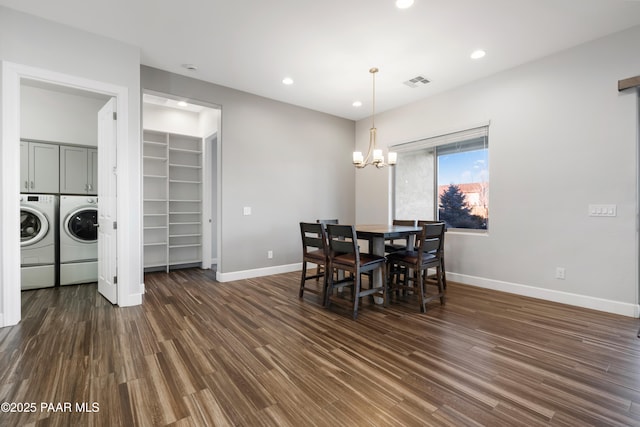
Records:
x=107, y=249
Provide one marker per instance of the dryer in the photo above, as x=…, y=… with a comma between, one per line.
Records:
x=78, y=239
x=38, y=230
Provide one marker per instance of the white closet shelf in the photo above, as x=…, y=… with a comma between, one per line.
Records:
x=155, y=264
x=173, y=187
x=176, y=165
x=182, y=181
x=184, y=261
x=184, y=150
x=156, y=244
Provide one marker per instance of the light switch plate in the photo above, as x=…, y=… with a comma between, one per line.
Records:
x=603, y=210
x=246, y=210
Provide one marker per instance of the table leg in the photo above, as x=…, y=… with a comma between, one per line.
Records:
x=377, y=248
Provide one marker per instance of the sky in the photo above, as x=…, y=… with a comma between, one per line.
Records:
x=462, y=168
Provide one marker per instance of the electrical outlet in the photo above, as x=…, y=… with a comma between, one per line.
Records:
x=270, y=254
x=560, y=273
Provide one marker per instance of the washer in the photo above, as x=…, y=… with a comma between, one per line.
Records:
x=38, y=231
x=78, y=239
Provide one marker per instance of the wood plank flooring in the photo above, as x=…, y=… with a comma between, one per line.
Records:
x=250, y=353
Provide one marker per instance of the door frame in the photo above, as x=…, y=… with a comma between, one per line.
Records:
x=12, y=75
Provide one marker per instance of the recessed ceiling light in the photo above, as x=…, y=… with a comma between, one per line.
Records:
x=190, y=67
x=357, y=104
x=403, y=4
x=477, y=54
x=182, y=104
x=287, y=81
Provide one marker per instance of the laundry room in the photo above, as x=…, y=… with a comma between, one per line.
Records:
x=58, y=185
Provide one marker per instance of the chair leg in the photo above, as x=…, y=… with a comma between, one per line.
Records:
x=420, y=284
x=441, y=284
x=303, y=279
x=325, y=285
x=356, y=294
x=444, y=274
x=328, y=290
x=384, y=284
x=389, y=279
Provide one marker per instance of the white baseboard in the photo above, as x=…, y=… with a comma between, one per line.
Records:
x=258, y=272
x=584, y=301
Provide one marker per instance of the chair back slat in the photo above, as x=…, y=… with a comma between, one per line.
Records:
x=431, y=238
x=342, y=239
x=313, y=236
x=324, y=222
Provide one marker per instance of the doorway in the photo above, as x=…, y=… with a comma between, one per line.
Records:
x=13, y=76
x=180, y=182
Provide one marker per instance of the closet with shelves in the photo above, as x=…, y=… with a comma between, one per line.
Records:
x=172, y=171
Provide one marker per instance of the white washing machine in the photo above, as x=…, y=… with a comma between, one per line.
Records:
x=78, y=239
x=38, y=229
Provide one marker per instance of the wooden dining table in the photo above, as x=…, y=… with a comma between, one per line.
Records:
x=377, y=234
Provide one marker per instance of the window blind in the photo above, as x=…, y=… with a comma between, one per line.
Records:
x=470, y=139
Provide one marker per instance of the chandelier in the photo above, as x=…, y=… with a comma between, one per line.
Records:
x=374, y=155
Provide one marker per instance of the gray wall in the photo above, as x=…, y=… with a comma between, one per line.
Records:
x=287, y=163
x=561, y=138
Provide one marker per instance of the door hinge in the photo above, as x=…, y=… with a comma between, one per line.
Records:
x=115, y=280
x=115, y=225
x=115, y=116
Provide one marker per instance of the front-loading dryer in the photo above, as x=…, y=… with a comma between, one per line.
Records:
x=38, y=231
x=78, y=239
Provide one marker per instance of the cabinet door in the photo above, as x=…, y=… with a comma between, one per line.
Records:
x=24, y=166
x=73, y=170
x=43, y=168
x=92, y=171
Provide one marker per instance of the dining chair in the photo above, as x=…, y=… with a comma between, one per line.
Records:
x=443, y=272
x=345, y=255
x=314, y=251
x=415, y=263
x=324, y=223
x=395, y=245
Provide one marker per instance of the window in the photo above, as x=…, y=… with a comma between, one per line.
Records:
x=445, y=178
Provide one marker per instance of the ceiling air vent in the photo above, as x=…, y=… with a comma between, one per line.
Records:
x=416, y=82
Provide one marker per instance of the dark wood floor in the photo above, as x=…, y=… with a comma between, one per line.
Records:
x=250, y=353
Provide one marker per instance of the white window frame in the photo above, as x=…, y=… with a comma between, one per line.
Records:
x=432, y=143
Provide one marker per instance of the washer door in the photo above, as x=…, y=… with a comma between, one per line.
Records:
x=82, y=225
x=33, y=226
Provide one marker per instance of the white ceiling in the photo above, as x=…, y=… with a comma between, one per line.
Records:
x=328, y=46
